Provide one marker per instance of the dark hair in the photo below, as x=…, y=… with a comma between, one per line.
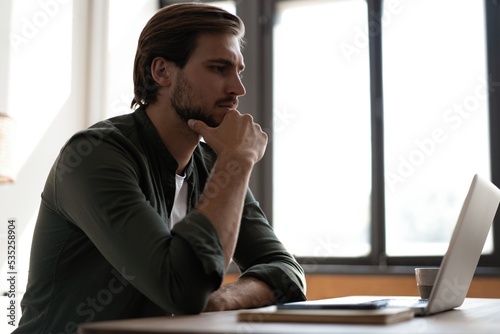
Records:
x=172, y=33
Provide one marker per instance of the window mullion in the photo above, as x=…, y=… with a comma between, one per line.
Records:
x=375, y=12
x=492, y=13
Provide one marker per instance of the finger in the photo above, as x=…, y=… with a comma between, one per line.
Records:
x=198, y=126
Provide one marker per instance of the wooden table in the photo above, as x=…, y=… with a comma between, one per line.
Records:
x=476, y=315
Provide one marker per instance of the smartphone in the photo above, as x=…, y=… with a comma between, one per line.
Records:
x=332, y=305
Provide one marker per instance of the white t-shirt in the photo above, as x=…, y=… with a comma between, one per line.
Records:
x=180, y=200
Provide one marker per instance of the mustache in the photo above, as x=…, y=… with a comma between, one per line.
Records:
x=228, y=100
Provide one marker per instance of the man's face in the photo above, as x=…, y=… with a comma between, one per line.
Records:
x=210, y=83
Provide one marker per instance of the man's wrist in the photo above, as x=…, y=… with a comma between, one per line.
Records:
x=235, y=164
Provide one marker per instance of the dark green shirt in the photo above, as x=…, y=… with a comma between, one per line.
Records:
x=102, y=247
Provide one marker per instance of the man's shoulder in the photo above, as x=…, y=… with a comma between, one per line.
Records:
x=123, y=124
x=114, y=129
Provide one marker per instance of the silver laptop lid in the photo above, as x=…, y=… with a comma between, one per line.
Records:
x=467, y=242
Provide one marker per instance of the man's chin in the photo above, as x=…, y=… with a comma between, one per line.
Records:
x=209, y=121
x=186, y=116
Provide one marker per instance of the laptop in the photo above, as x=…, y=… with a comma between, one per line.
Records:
x=457, y=267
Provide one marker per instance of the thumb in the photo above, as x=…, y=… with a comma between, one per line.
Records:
x=197, y=126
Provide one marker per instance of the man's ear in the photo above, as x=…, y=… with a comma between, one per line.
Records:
x=161, y=71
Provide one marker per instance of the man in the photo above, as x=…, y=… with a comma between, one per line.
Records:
x=138, y=217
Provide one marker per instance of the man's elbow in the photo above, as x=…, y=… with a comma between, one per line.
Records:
x=191, y=297
x=193, y=301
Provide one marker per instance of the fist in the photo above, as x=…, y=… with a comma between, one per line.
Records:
x=237, y=137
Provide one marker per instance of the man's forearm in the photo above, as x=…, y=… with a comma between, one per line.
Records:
x=247, y=292
x=222, y=201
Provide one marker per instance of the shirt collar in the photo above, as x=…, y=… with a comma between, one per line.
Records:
x=155, y=145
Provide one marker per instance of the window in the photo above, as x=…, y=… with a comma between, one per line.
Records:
x=321, y=121
x=435, y=120
x=396, y=99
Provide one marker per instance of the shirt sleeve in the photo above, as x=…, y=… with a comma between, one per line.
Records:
x=97, y=186
x=260, y=254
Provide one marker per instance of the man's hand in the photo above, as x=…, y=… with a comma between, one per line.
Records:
x=237, y=137
x=246, y=292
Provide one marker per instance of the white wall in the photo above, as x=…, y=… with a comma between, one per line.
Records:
x=5, y=8
x=56, y=57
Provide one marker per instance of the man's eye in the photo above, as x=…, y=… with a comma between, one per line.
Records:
x=218, y=68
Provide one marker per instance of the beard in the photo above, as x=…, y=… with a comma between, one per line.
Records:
x=182, y=102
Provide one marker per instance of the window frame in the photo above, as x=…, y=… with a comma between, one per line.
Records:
x=258, y=16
